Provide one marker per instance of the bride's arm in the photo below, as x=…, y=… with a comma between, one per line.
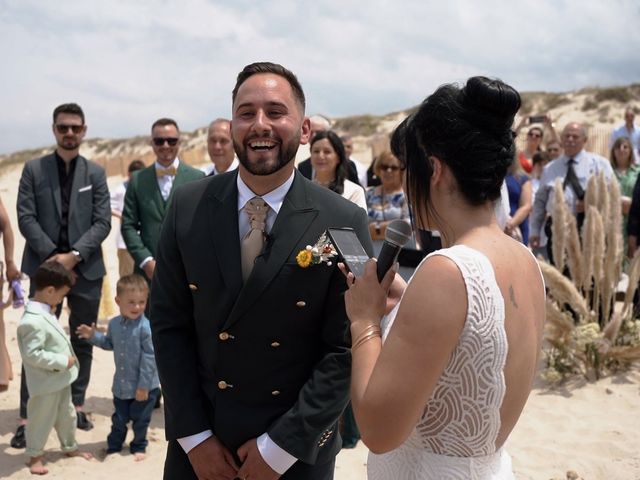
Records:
x=390, y=386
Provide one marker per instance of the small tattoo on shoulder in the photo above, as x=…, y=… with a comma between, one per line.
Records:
x=512, y=296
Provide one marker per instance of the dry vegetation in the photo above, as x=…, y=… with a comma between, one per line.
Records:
x=584, y=333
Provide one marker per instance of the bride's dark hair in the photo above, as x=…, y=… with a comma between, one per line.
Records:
x=469, y=129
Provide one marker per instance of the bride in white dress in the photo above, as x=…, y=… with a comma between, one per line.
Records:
x=439, y=383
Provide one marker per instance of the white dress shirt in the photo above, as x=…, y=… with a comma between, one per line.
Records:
x=587, y=164
x=165, y=182
x=117, y=205
x=211, y=168
x=278, y=459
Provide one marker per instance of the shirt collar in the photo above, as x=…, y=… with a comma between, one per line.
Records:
x=176, y=162
x=60, y=160
x=39, y=307
x=576, y=158
x=124, y=319
x=232, y=167
x=274, y=198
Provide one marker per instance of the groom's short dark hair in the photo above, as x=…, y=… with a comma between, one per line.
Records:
x=274, y=68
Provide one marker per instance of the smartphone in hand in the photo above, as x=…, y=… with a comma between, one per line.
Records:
x=350, y=250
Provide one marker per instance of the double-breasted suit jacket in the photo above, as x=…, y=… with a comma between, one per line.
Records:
x=145, y=209
x=270, y=355
x=40, y=214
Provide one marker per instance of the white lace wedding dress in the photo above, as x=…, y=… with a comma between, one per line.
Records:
x=455, y=437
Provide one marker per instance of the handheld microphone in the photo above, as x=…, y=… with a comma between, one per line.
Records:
x=397, y=235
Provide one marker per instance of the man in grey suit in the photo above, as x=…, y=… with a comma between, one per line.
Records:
x=64, y=215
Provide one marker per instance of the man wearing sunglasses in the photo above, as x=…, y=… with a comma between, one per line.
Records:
x=150, y=192
x=64, y=215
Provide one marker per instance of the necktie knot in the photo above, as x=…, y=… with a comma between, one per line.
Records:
x=161, y=172
x=257, y=210
x=253, y=242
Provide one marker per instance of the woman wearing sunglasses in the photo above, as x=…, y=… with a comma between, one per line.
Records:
x=386, y=202
x=533, y=143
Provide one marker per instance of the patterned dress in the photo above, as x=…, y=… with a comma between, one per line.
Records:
x=456, y=435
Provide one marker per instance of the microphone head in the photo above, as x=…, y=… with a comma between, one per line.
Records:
x=398, y=233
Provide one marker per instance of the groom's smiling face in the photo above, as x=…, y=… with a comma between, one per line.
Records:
x=268, y=124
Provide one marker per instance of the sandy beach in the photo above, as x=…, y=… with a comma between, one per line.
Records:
x=591, y=428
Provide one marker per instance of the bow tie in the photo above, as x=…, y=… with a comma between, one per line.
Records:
x=161, y=172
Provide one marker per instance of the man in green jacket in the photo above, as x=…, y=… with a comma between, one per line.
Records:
x=149, y=194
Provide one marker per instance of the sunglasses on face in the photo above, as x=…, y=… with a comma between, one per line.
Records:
x=389, y=168
x=159, y=141
x=62, y=129
x=534, y=135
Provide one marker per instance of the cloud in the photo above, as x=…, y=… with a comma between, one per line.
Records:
x=128, y=63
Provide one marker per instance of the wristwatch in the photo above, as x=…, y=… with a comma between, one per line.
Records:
x=76, y=255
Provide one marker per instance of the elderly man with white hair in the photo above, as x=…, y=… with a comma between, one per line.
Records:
x=575, y=166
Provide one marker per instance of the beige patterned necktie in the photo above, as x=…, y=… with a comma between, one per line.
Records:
x=253, y=242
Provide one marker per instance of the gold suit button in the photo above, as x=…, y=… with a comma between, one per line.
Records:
x=275, y=393
x=301, y=304
x=275, y=344
x=222, y=385
x=223, y=336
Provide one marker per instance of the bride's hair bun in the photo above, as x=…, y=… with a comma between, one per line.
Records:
x=469, y=129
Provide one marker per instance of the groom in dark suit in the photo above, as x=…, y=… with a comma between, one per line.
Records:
x=253, y=355
x=64, y=215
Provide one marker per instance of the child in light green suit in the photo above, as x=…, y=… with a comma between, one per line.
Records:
x=50, y=367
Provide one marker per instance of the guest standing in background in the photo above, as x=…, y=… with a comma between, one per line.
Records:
x=534, y=138
x=11, y=273
x=330, y=165
x=125, y=261
x=149, y=194
x=520, y=202
x=630, y=130
x=386, y=202
x=220, y=148
x=626, y=172
x=64, y=215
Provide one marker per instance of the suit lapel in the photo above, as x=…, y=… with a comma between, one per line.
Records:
x=296, y=215
x=79, y=176
x=181, y=177
x=51, y=320
x=224, y=229
x=149, y=183
x=50, y=166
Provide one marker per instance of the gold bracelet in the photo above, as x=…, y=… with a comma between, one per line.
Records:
x=372, y=331
x=365, y=330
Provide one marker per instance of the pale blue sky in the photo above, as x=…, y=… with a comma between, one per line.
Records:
x=130, y=62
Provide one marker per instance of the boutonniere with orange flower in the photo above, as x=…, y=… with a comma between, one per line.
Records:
x=321, y=252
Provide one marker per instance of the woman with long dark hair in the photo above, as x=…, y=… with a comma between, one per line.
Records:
x=439, y=383
x=329, y=163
